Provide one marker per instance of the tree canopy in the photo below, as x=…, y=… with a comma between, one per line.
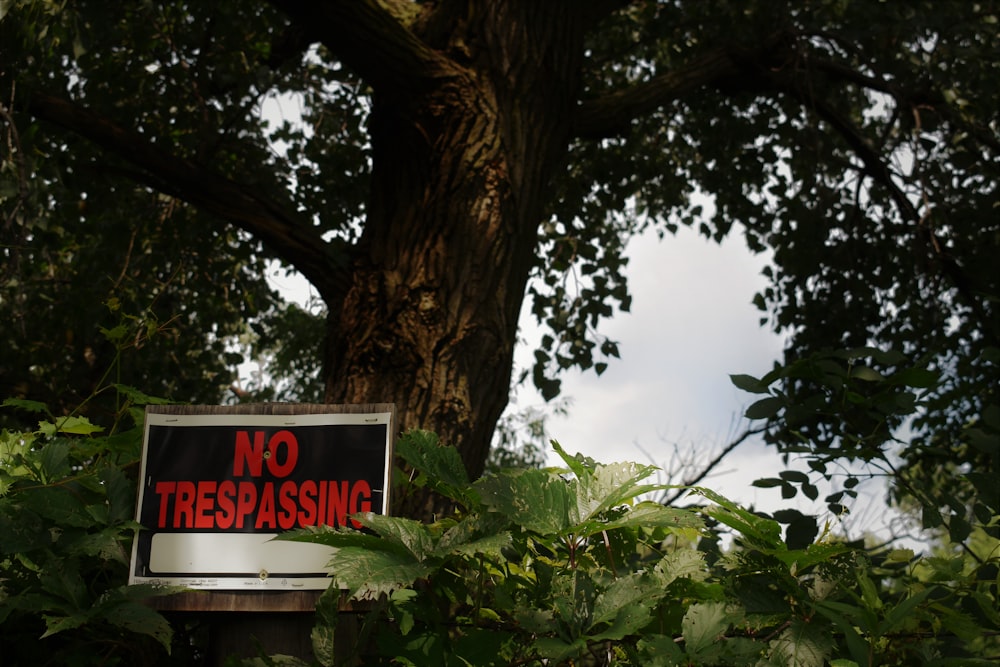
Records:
x=454, y=158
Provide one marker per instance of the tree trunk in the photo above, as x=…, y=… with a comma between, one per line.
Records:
x=430, y=319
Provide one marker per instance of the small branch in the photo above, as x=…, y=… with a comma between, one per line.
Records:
x=710, y=466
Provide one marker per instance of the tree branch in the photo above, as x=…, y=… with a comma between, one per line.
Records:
x=290, y=237
x=372, y=38
x=612, y=113
x=721, y=67
x=709, y=467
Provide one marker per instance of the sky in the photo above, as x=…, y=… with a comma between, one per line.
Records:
x=669, y=397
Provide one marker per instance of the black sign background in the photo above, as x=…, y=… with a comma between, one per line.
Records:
x=326, y=452
x=330, y=452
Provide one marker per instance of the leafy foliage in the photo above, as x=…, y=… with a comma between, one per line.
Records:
x=67, y=501
x=859, y=406
x=570, y=566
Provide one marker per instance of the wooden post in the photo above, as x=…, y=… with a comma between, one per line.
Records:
x=247, y=624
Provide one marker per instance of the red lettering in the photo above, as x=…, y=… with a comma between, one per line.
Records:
x=250, y=455
x=246, y=500
x=184, y=507
x=205, y=505
x=164, y=490
x=265, y=513
x=307, y=501
x=286, y=498
x=336, y=512
x=227, y=509
x=286, y=438
x=321, y=505
x=361, y=490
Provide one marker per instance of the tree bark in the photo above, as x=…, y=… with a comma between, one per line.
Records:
x=430, y=319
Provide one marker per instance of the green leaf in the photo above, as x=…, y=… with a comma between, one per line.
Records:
x=794, y=476
x=140, y=398
x=749, y=383
x=801, y=645
x=845, y=616
x=628, y=620
x=866, y=374
x=558, y=650
x=120, y=493
x=765, y=408
x=902, y=611
x=440, y=467
x=77, y=426
x=141, y=619
x=22, y=404
x=67, y=585
x=367, y=574
x=533, y=499
x=634, y=590
x=659, y=651
x=763, y=532
x=703, y=624
x=59, y=505
x=649, y=514
x=408, y=534
x=572, y=462
x=57, y=624
x=608, y=486
x=490, y=545
x=323, y=639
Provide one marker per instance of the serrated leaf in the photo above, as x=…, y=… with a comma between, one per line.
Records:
x=650, y=514
x=67, y=585
x=120, y=493
x=77, y=426
x=627, y=620
x=57, y=624
x=141, y=619
x=685, y=563
x=23, y=404
x=440, y=467
x=703, y=624
x=558, y=650
x=57, y=504
x=660, y=651
x=323, y=642
x=491, y=545
x=533, y=499
x=608, y=486
x=411, y=535
x=634, y=589
x=140, y=398
x=367, y=574
x=801, y=645
x=764, y=532
x=571, y=462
